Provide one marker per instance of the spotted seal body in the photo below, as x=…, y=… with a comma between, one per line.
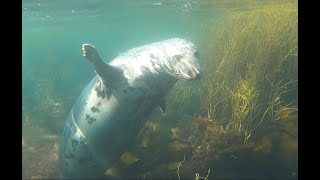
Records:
x=115, y=104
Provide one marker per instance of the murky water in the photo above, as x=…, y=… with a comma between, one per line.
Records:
x=237, y=122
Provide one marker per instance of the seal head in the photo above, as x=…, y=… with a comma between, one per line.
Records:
x=183, y=61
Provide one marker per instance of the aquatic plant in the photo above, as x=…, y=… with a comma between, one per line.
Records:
x=249, y=82
x=250, y=78
x=250, y=68
x=44, y=105
x=196, y=174
x=39, y=153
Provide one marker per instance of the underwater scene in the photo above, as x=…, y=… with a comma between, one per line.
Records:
x=224, y=103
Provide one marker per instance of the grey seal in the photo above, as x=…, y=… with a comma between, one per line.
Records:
x=113, y=107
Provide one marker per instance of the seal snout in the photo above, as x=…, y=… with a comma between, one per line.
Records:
x=195, y=72
x=197, y=77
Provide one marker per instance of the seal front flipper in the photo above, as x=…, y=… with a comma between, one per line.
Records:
x=112, y=76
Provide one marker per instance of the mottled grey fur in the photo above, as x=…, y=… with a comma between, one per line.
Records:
x=115, y=104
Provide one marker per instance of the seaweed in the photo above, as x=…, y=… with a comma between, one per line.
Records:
x=250, y=68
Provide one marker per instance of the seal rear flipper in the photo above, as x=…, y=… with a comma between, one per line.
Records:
x=112, y=76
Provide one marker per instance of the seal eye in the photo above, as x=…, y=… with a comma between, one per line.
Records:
x=197, y=54
x=177, y=58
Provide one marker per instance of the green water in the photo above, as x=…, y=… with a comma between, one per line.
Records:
x=54, y=73
x=53, y=68
x=53, y=32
